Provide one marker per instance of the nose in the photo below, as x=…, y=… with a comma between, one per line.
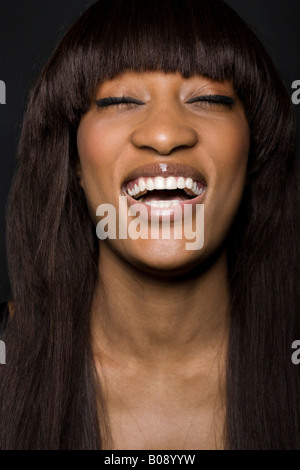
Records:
x=164, y=131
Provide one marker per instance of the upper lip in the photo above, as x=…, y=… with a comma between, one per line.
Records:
x=165, y=169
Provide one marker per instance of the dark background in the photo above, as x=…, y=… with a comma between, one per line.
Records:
x=30, y=29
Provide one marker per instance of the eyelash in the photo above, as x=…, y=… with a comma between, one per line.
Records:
x=116, y=101
x=210, y=100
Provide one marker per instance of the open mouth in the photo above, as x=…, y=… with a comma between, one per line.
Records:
x=164, y=192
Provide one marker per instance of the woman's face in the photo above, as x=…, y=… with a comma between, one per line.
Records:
x=170, y=143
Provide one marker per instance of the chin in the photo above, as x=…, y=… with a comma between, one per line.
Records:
x=164, y=258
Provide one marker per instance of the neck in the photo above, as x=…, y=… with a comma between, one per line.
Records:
x=138, y=318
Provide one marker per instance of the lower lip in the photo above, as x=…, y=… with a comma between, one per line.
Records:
x=172, y=213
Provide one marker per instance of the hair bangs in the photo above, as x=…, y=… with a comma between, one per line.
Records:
x=191, y=37
x=166, y=36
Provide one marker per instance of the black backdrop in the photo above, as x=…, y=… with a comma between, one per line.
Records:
x=30, y=29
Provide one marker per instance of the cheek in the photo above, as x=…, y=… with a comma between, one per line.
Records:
x=95, y=163
x=92, y=149
x=99, y=151
x=233, y=161
x=230, y=158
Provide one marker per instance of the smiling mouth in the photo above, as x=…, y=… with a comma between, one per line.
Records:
x=164, y=192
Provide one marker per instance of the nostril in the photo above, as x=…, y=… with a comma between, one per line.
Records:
x=165, y=151
x=182, y=147
x=165, y=138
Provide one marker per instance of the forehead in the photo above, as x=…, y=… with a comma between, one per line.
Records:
x=161, y=82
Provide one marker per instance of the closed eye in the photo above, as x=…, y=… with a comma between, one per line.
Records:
x=117, y=101
x=213, y=100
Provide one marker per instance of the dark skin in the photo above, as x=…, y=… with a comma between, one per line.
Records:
x=160, y=312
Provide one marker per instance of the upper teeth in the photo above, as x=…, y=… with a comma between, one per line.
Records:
x=159, y=183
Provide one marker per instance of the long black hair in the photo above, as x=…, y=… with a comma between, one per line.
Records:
x=49, y=395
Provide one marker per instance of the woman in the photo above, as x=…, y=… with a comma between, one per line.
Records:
x=141, y=343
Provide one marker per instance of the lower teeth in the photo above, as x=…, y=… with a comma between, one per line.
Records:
x=161, y=204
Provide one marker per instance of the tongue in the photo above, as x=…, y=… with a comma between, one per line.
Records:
x=166, y=195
